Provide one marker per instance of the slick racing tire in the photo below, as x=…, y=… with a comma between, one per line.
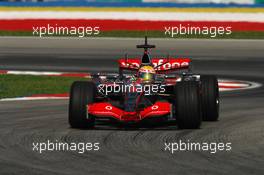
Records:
x=187, y=106
x=81, y=94
x=209, y=98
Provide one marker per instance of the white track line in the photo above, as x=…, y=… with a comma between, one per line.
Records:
x=33, y=98
x=32, y=73
x=39, y=73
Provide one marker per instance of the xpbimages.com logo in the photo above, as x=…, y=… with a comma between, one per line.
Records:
x=212, y=31
x=55, y=30
x=148, y=89
x=53, y=146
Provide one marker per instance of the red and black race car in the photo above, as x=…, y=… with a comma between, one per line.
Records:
x=144, y=89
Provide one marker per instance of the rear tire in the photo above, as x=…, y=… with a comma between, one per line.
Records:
x=209, y=98
x=82, y=93
x=187, y=106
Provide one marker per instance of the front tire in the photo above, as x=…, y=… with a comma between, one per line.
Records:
x=209, y=98
x=187, y=106
x=82, y=93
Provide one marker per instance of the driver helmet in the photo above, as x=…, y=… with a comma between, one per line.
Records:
x=146, y=74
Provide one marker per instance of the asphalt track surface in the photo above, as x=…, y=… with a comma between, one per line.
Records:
x=133, y=150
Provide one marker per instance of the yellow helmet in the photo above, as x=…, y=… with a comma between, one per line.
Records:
x=147, y=73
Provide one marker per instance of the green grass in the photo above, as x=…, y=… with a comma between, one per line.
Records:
x=27, y=85
x=152, y=34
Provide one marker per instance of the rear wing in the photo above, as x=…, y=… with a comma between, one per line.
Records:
x=159, y=64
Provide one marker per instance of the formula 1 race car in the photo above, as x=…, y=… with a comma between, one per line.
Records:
x=144, y=89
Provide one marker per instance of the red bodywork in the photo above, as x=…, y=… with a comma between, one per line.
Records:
x=162, y=64
x=104, y=109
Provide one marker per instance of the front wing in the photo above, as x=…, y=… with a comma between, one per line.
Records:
x=104, y=109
